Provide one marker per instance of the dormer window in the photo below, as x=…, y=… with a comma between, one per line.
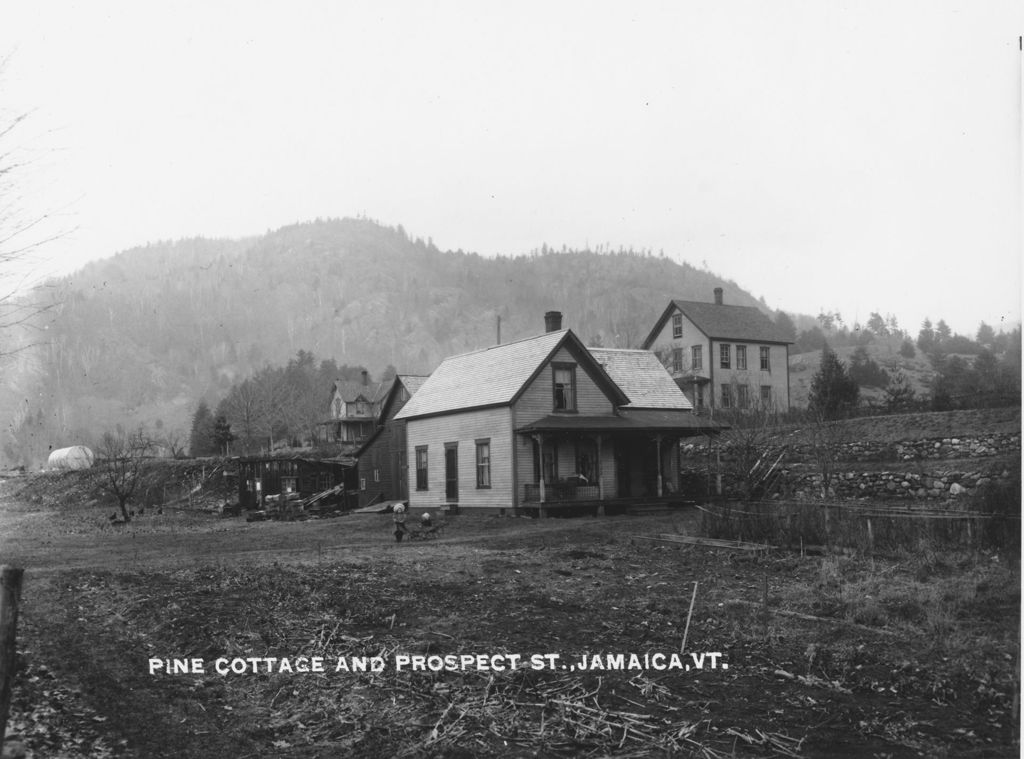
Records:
x=677, y=325
x=564, y=380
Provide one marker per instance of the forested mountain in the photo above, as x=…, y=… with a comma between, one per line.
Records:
x=143, y=336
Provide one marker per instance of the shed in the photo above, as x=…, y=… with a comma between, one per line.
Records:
x=73, y=457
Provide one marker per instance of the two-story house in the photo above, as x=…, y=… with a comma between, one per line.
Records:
x=353, y=411
x=546, y=423
x=723, y=357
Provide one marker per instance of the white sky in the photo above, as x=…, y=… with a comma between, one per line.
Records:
x=854, y=157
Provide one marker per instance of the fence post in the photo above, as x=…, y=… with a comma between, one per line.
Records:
x=10, y=597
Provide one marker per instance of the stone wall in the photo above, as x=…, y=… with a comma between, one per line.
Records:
x=914, y=469
x=921, y=450
x=939, y=485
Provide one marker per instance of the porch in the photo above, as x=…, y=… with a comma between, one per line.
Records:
x=605, y=463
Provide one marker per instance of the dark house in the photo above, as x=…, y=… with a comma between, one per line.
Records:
x=382, y=462
x=260, y=477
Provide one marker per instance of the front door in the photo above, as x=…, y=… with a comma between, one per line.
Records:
x=451, y=472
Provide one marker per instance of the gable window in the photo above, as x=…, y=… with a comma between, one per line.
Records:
x=677, y=325
x=564, y=378
x=677, y=359
x=766, y=358
x=726, y=396
x=421, y=467
x=723, y=350
x=741, y=357
x=697, y=357
x=766, y=396
x=337, y=407
x=483, y=463
x=743, y=396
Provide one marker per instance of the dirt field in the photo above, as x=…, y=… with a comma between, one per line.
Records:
x=910, y=655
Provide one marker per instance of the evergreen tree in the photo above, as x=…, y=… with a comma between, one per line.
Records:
x=865, y=371
x=222, y=435
x=986, y=335
x=899, y=394
x=833, y=392
x=926, y=337
x=201, y=442
x=877, y=324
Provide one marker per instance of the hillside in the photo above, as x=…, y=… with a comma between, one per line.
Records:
x=143, y=336
x=882, y=350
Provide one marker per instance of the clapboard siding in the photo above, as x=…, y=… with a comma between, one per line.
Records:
x=464, y=428
x=538, y=399
x=777, y=377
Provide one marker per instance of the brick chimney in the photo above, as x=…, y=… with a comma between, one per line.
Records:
x=552, y=321
x=366, y=378
x=718, y=296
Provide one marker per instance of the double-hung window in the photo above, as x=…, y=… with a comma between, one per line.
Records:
x=742, y=396
x=726, y=396
x=741, y=357
x=697, y=357
x=724, y=354
x=677, y=325
x=564, y=379
x=766, y=358
x=421, y=467
x=677, y=359
x=483, y=463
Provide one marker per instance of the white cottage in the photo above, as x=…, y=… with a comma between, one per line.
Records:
x=546, y=423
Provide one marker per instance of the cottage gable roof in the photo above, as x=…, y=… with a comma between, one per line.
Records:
x=493, y=376
x=723, y=322
x=643, y=378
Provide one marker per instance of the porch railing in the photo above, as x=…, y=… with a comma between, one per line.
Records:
x=560, y=492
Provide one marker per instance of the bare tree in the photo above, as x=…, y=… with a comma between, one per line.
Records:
x=21, y=237
x=753, y=445
x=121, y=455
x=174, y=443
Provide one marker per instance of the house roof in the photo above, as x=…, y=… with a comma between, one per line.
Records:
x=723, y=322
x=412, y=382
x=351, y=390
x=495, y=376
x=678, y=421
x=642, y=377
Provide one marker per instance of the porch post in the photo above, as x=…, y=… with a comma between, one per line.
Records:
x=657, y=445
x=540, y=454
x=597, y=471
